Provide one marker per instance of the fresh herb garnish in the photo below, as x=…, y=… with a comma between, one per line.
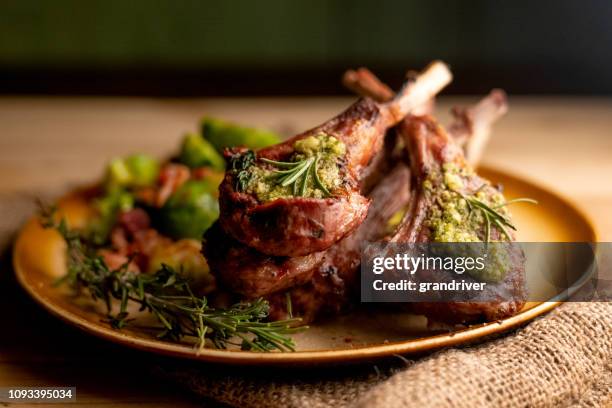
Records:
x=297, y=174
x=170, y=299
x=490, y=214
x=240, y=165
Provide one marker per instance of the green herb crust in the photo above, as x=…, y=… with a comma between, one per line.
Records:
x=458, y=216
x=313, y=171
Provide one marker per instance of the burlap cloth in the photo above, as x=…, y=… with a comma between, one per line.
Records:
x=563, y=359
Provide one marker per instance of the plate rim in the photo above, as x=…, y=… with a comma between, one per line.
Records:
x=305, y=357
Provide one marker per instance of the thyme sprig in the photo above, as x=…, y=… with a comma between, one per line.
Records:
x=297, y=174
x=168, y=296
x=491, y=215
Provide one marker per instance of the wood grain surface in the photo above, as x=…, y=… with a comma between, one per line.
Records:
x=50, y=144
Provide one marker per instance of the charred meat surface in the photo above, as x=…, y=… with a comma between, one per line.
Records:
x=303, y=195
x=251, y=274
x=319, y=283
x=335, y=281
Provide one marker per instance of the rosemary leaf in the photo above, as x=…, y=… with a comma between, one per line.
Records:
x=490, y=213
x=296, y=174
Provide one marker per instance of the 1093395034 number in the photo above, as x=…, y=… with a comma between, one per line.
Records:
x=15, y=394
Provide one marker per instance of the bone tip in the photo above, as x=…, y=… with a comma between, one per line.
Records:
x=499, y=98
x=441, y=66
x=349, y=76
x=364, y=71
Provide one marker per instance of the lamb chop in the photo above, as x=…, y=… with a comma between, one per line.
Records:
x=314, y=199
x=251, y=274
x=451, y=203
x=335, y=281
x=247, y=272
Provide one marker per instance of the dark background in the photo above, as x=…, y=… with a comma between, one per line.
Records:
x=289, y=47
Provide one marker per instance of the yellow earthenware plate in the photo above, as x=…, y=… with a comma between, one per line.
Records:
x=363, y=335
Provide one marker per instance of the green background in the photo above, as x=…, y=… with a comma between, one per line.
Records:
x=534, y=45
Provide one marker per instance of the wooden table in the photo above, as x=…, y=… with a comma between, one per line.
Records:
x=47, y=144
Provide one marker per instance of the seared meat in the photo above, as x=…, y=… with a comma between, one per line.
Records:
x=295, y=226
x=364, y=83
x=441, y=177
x=335, y=281
x=252, y=274
x=248, y=272
x=382, y=163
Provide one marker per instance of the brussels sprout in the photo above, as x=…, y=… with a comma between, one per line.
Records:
x=223, y=134
x=198, y=152
x=138, y=170
x=107, y=208
x=190, y=210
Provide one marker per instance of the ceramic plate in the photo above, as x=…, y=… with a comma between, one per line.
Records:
x=363, y=335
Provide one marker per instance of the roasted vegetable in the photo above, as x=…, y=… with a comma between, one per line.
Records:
x=107, y=207
x=138, y=170
x=198, y=152
x=222, y=134
x=168, y=297
x=190, y=210
x=184, y=257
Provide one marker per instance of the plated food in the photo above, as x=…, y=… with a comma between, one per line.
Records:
x=284, y=223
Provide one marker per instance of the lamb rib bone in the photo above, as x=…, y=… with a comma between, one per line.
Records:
x=471, y=128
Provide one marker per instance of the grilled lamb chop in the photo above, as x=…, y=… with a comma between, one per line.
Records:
x=448, y=205
x=364, y=83
x=336, y=278
x=320, y=209
x=250, y=273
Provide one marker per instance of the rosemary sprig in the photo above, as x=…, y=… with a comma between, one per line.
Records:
x=170, y=299
x=491, y=214
x=297, y=174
